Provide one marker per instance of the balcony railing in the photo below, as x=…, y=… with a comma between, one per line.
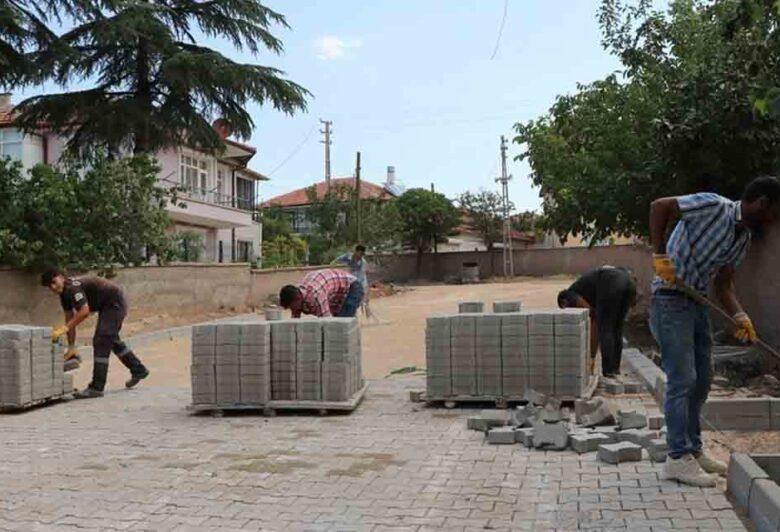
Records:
x=215, y=198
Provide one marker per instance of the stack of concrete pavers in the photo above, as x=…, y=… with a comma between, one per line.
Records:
x=471, y=307
x=541, y=352
x=463, y=354
x=256, y=362
x=500, y=307
x=514, y=354
x=342, y=372
x=31, y=367
x=571, y=352
x=487, y=349
x=438, y=365
x=308, y=365
x=284, y=344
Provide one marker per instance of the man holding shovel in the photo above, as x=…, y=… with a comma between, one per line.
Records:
x=710, y=237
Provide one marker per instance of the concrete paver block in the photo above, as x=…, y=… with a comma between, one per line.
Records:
x=525, y=436
x=614, y=387
x=641, y=437
x=655, y=422
x=501, y=435
x=601, y=416
x=553, y=436
x=523, y=416
x=615, y=453
x=584, y=407
x=488, y=419
x=506, y=306
x=587, y=442
x=764, y=505
x=549, y=415
x=632, y=387
x=535, y=398
x=742, y=473
x=631, y=420
x=657, y=449
x=608, y=431
x=469, y=307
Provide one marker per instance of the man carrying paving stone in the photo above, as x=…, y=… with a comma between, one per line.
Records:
x=80, y=297
x=323, y=293
x=710, y=237
x=608, y=293
x=356, y=263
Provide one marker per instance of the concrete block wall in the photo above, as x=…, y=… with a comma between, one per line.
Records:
x=504, y=354
x=257, y=362
x=31, y=367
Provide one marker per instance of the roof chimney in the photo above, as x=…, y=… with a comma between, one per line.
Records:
x=390, y=175
x=5, y=101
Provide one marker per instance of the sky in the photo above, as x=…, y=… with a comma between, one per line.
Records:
x=425, y=86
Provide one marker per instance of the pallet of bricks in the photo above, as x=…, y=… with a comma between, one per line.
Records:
x=284, y=364
x=476, y=356
x=31, y=368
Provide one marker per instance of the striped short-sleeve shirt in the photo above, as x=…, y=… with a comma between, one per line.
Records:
x=707, y=237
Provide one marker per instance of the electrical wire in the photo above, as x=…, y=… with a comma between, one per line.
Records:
x=500, y=30
x=294, y=152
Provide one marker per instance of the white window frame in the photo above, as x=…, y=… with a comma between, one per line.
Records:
x=194, y=174
x=16, y=137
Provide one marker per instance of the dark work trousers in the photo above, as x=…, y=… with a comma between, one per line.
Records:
x=106, y=340
x=352, y=302
x=615, y=295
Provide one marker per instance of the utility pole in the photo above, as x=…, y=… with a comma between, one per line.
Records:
x=509, y=261
x=358, y=215
x=327, y=142
x=432, y=189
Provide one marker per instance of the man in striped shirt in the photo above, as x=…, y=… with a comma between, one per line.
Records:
x=710, y=237
x=323, y=293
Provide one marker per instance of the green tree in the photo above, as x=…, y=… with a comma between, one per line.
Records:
x=275, y=222
x=23, y=29
x=112, y=213
x=485, y=210
x=284, y=250
x=682, y=116
x=425, y=216
x=155, y=84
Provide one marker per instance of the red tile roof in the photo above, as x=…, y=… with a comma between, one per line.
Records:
x=299, y=197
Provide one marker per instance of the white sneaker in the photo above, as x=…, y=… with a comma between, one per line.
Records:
x=710, y=465
x=688, y=471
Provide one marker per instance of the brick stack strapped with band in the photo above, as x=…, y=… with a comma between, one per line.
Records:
x=257, y=363
x=502, y=354
x=31, y=367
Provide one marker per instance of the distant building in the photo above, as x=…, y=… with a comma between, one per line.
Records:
x=467, y=238
x=297, y=203
x=220, y=192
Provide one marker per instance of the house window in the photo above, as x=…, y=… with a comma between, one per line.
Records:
x=245, y=194
x=11, y=144
x=194, y=175
x=245, y=251
x=219, y=192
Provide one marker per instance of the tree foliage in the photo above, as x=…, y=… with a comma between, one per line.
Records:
x=485, y=210
x=112, y=213
x=283, y=250
x=425, y=217
x=683, y=115
x=156, y=84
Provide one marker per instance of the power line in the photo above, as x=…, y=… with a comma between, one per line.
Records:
x=294, y=152
x=500, y=30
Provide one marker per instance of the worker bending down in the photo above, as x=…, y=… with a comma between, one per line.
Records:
x=80, y=297
x=608, y=293
x=323, y=293
x=710, y=238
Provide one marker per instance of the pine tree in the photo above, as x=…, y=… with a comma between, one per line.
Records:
x=155, y=85
x=23, y=30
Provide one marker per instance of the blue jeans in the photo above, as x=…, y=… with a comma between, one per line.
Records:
x=682, y=329
x=352, y=302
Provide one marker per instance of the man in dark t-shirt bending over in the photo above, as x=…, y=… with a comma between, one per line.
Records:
x=80, y=297
x=608, y=292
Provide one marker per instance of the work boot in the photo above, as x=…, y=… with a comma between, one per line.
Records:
x=710, y=465
x=135, y=379
x=687, y=471
x=87, y=393
x=72, y=363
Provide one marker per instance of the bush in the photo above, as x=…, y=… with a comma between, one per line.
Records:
x=282, y=251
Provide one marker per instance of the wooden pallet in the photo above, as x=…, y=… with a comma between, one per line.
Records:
x=270, y=408
x=16, y=409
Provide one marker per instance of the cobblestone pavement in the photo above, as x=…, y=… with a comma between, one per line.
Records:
x=136, y=460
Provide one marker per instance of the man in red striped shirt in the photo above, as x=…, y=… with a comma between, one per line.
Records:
x=323, y=293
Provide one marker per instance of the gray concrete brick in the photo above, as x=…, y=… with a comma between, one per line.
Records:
x=468, y=307
x=523, y=416
x=501, y=435
x=742, y=473
x=616, y=453
x=535, y=398
x=641, y=437
x=657, y=449
x=631, y=420
x=764, y=505
x=655, y=422
x=507, y=306
x=602, y=415
x=738, y=413
x=525, y=436
x=554, y=436
x=585, y=443
x=774, y=413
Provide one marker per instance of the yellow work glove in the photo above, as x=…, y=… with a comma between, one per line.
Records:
x=71, y=352
x=745, y=332
x=58, y=332
x=664, y=268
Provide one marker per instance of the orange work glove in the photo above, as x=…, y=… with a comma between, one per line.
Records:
x=664, y=268
x=745, y=332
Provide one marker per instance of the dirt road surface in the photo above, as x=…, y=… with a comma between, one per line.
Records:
x=397, y=341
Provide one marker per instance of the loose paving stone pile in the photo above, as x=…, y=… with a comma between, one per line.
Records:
x=254, y=362
x=31, y=367
x=548, y=428
x=504, y=354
